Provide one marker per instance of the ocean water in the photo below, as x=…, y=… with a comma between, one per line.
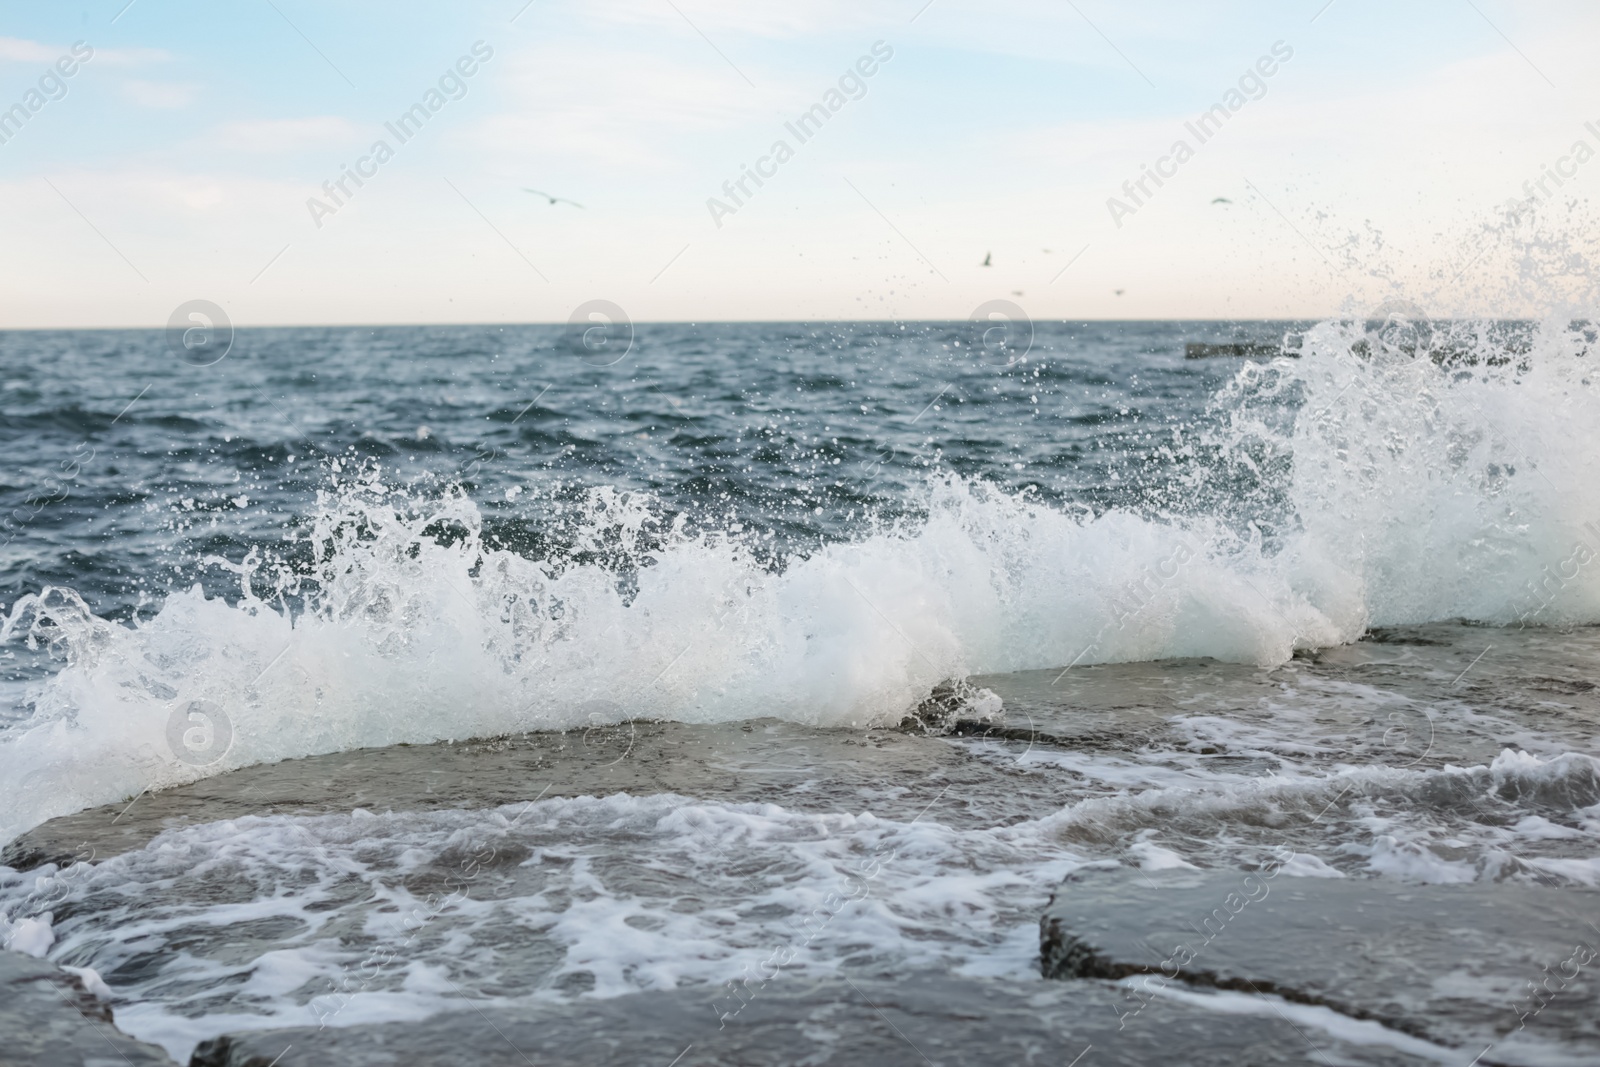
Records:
x=1346, y=597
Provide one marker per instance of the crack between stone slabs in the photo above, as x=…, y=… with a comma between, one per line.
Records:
x=1063, y=956
x=1076, y=742
x=70, y=988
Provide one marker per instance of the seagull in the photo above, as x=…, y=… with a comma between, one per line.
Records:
x=553, y=199
x=1222, y=200
x=986, y=259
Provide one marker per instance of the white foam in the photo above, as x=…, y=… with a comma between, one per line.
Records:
x=31, y=936
x=1467, y=492
x=1152, y=857
x=1302, y=865
x=1413, y=862
x=92, y=982
x=410, y=640
x=1412, y=825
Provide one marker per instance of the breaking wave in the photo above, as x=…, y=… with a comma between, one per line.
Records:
x=1375, y=480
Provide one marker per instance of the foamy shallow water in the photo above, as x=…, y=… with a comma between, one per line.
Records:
x=796, y=852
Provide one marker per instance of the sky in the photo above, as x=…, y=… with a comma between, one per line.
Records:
x=196, y=148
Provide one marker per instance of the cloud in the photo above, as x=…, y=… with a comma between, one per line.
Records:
x=620, y=106
x=127, y=57
x=143, y=199
x=16, y=50
x=282, y=136
x=773, y=21
x=159, y=94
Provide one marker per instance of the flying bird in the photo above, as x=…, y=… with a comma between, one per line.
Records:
x=1121, y=291
x=986, y=259
x=1222, y=200
x=553, y=199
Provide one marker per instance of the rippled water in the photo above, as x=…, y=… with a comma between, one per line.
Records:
x=805, y=433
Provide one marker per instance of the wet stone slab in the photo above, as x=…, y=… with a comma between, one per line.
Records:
x=1413, y=698
x=47, y=1017
x=1403, y=697
x=1508, y=969
x=915, y=1022
x=893, y=773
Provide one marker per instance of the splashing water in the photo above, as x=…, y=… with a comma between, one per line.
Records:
x=1368, y=482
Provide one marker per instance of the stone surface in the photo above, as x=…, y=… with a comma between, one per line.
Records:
x=1453, y=964
x=913, y=1022
x=47, y=1017
x=893, y=773
x=1405, y=697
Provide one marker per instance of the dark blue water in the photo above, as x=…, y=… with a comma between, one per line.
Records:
x=127, y=467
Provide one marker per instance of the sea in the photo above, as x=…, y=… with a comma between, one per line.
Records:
x=370, y=674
